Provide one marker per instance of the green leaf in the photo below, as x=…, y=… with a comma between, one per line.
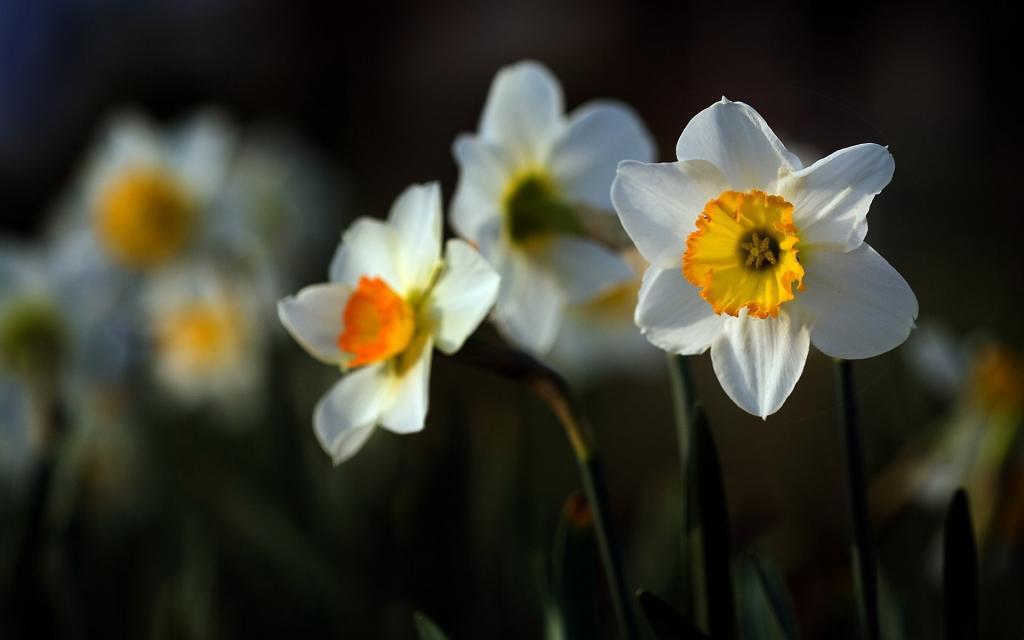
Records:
x=426, y=629
x=708, y=530
x=765, y=608
x=960, y=572
x=664, y=620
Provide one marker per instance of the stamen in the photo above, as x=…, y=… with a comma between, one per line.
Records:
x=760, y=251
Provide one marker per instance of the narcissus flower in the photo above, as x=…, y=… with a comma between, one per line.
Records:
x=145, y=192
x=279, y=205
x=756, y=257
x=533, y=184
x=208, y=343
x=34, y=343
x=390, y=300
x=598, y=339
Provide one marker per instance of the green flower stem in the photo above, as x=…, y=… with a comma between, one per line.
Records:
x=865, y=570
x=33, y=600
x=551, y=388
x=683, y=401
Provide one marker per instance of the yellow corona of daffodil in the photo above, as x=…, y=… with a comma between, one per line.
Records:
x=755, y=257
x=391, y=299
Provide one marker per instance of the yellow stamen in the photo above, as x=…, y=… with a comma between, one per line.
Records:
x=743, y=253
x=144, y=217
x=378, y=323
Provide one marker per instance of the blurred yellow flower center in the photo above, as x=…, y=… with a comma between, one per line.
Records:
x=201, y=334
x=743, y=253
x=32, y=336
x=144, y=217
x=998, y=380
x=534, y=209
x=378, y=323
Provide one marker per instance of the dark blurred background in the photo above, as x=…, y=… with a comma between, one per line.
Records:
x=382, y=90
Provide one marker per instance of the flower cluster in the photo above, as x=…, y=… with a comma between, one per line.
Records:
x=181, y=241
x=750, y=254
x=162, y=265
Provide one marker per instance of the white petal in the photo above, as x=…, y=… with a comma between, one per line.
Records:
x=416, y=219
x=658, y=204
x=673, y=316
x=484, y=173
x=406, y=410
x=582, y=268
x=530, y=303
x=831, y=197
x=201, y=151
x=347, y=413
x=938, y=358
x=857, y=305
x=314, y=318
x=737, y=140
x=600, y=135
x=369, y=248
x=524, y=111
x=129, y=138
x=758, y=361
x=464, y=294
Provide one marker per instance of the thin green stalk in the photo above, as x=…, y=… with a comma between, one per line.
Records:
x=683, y=401
x=864, y=564
x=550, y=387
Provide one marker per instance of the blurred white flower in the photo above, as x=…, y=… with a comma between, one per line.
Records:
x=208, y=326
x=390, y=299
x=144, y=201
x=984, y=383
x=722, y=228
x=279, y=202
x=34, y=347
x=145, y=194
x=939, y=360
x=531, y=181
x=599, y=338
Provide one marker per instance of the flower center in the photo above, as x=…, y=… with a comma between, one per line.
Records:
x=761, y=251
x=378, y=323
x=533, y=209
x=743, y=253
x=202, y=334
x=32, y=336
x=144, y=218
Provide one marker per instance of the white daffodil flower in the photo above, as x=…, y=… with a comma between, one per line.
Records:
x=144, y=193
x=532, y=184
x=280, y=205
x=208, y=343
x=599, y=339
x=35, y=342
x=390, y=299
x=756, y=257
